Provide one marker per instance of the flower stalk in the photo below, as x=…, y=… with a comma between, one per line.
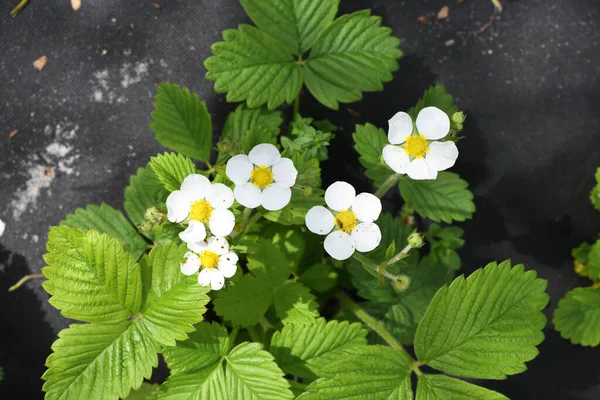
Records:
x=387, y=185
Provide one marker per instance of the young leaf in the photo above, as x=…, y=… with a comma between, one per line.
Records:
x=171, y=169
x=181, y=122
x=366, y=372
x=435, y=387
x=486, y=326
x=245, y=302
x=354, y=54
x=295, y=23
x=445, y=198
x=295, y=304
x=577, y=316
x=253, y=66
x=304, y=350
x=144, y=191
x=90, y=277
x=435, y=96
x=369, y=143
x=105, y=219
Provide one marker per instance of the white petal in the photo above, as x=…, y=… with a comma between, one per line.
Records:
x=441, y=155
x=264, y=154
x=197, y=247
x=285, y=173
x=196, y=186
x=238, y=169
x=195, y=232
x=230, y=257
x=366, y=236
x=340, y=195
x=319, y=220
x=227, y=268
x=219, y=196
x=339, y=245
x=401, y=126
x=396, y=158
x=433, y=123
x=247, y=195
x=218, y=244
x=204, y=277
x=191, y=265
x=178, y=206
x=367, y=207
x=217, y=280
x=419, y=169
x=221, y=222
x=275, y=197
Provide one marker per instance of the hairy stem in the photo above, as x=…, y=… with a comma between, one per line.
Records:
x=23, y=280
x=378, y=269
x=398, y=257
x=387, y=185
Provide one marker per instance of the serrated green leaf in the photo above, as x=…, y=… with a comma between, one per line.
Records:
x=319, y=277
x=171, y=169
x=369, y=142
x=446, y=198
x=435, y=387
x=581, y=253
x=353, y=55
x=245, y=302
x=147, y=391
x=181, y=122
x=295, y=23
x=485, y=326
x=255, y=136
x=105, y=219
x=291, y=242
x=295, y=304
x=304, y=350
x=595, y=193
x=444, y=242
x=90, y=277
x=82, y=365
x=577, y=316
x=269, y=263
x=593, y=265
x=435, y=96
x=253, y=66
x=206, y=383
x=366, y=372
x=144, y=191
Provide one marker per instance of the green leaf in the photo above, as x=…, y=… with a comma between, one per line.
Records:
x=295, y=211
x=90, y=277
x=445, y=198
x=435, y=387
x=206, y=383
x=581, y=253
x=295, y=304
x=291, y=242
x=181, y=122
x=147, y=391
x=595, y=194
x=245, y=302
x=85, y=356
x=319, y=277
x=105, y=219
x=269, y=263
x=435, y=96
x=594, y=262
x=253, y=66
x=255, y=136
x=369, y=143
x=171, y=169
x=366, y=372
x=577, y=316
x=444, y=242
x=295, y=23
x=305, y=350
x=354, y=54
x=144, y=191
x=485, y=326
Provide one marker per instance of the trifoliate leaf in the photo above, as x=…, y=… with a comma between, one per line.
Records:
x=319, y=277
x=269, y=263
x=486, y=326
x=354, y=54
x=90, y=277
x=369, y=143
x=594, y=262
x=85, y=356
x=295, y=304
x=435, y=96
x=304, y=350
x=105, y=219
x=144, y=191
x=366, y=372
x=595, y=194
x=577, y=317
x=296, y=24
x=147, y=391
x=446, y=198
x=171, y=169
x=435, y=387
x=181, y=122
x=246, y=302
x=253, y=374
x=253, y=66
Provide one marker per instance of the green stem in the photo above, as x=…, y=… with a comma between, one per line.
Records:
x=387, y=185
x=241, y=227
x=266, y=325
x=23, y=280
x=297, y=106
x=253, y=334
x=397, y=257
x=19, y=7
x=232, y=336
x=378, y=269
x=372, y=323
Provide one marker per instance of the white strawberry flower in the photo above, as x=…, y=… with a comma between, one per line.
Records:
x=200, y=203
x=262, y=178
x=215, y=259
x=419, y=154
x=351, y=225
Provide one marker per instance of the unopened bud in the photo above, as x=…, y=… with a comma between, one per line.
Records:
x=154, y=215
x=415, y=240
x=459, y=118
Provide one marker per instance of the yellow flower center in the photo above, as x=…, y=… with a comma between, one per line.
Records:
x=416, y=146
x=262, y=177
x=201, y=211
x=346, y=220
x=209, y=259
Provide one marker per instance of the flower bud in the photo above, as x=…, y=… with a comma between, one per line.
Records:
x=415, y=240
x=402, y=283
x=459, y=118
